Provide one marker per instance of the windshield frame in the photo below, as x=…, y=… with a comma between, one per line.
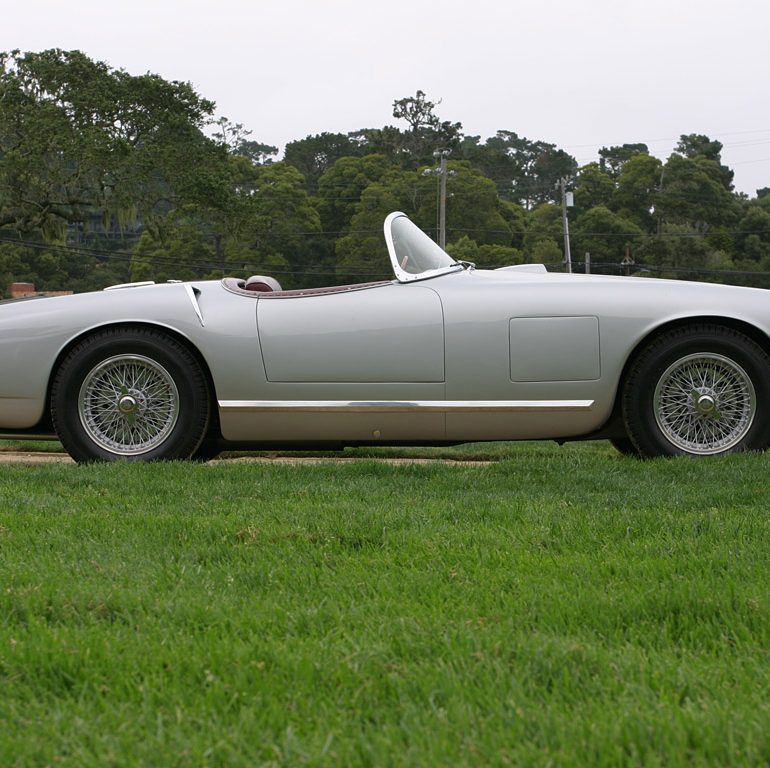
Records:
x=396, y=258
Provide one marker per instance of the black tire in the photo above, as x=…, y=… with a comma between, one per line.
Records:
x=132, y=394
x=701, y=390
x=625, y=446
x=209, y=449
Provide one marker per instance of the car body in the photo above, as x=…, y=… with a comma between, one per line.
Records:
x=444, y=353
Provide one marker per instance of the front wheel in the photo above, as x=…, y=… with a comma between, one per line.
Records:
x=699, y=391
x=133, y=394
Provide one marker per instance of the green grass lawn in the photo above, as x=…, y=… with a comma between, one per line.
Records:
x=562, y=606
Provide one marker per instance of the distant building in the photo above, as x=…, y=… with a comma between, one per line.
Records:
x=20, y=290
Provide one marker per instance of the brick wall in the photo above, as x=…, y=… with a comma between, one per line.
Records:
x=20, y=290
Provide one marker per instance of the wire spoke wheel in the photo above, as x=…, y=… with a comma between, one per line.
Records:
x=704, y=403
x=131, y=394
x=699, y=390
x=128, y=404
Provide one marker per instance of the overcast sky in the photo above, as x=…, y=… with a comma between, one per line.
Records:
x=578, y=74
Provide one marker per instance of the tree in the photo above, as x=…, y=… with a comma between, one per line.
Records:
x=545, y=224
x=526, y=171
x=484, y=256
x=269, y=229
x=547, y=251
x=387, y=141
x=693, y=193
x=637, y=190
x=493, y=256
x=695, y=146
x=283, y=223
x=417, y=111
x=548, y=166
x=362, y=254
x=256, y=152
x=516, y=218
x=415, y=146
x=341, y=186
x=77, y=137
x=45, y=269
x=314, y=155
x=604, y=234
x=680, y=250
x=594, y=187
x=493, y=159
x=473, y=210
x=614, y=158
x=229, y=134
x=427, y=132
x=753, y=239
x=177, y=247
x=464, y=249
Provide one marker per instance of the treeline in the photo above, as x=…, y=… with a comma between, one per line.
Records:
x=107, y=177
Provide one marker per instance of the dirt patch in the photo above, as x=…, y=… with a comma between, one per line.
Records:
x=37, y=457
x=339, y=460
x=41, y=457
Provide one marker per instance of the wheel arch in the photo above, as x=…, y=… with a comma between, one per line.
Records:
x=172, y=333
x=746, y=328
x=742, y=326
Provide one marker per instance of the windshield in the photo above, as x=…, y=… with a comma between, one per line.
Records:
x=413, y=254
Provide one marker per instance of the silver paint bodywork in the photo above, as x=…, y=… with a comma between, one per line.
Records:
x=463, y=355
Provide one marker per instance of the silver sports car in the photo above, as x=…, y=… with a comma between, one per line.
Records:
x=444, y=353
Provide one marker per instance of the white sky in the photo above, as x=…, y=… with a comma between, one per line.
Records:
x=578, y=74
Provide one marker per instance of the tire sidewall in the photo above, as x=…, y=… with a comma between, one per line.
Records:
x=193, y=406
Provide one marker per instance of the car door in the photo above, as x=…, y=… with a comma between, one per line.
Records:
x=352, y=365
x=391, y=334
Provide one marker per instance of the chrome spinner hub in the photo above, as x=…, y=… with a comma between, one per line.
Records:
x=706, y=405
x=128, y=405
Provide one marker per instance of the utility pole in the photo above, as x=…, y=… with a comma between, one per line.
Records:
x=442, y=198
x=442, y=174
x=628, y=261
x=566, y=200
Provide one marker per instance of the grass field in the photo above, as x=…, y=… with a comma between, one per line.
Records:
x=561, y=606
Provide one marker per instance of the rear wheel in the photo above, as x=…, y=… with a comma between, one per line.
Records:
x=699, y=391
x=133, y=394
x=209, y=449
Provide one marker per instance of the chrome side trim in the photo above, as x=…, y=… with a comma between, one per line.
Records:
x=399, y=406
x=190, y=291
x=28, y=436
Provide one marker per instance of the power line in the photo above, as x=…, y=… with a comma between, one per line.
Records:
x=127, y=256
x=380, y=273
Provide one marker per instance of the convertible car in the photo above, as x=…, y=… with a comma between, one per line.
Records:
x=444, y=353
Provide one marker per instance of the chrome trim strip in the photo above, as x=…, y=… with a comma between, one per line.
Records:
x=27, y=436
x=190, y=291
x=399, y=406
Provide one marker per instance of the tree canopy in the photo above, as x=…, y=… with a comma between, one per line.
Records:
x=106, y=176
